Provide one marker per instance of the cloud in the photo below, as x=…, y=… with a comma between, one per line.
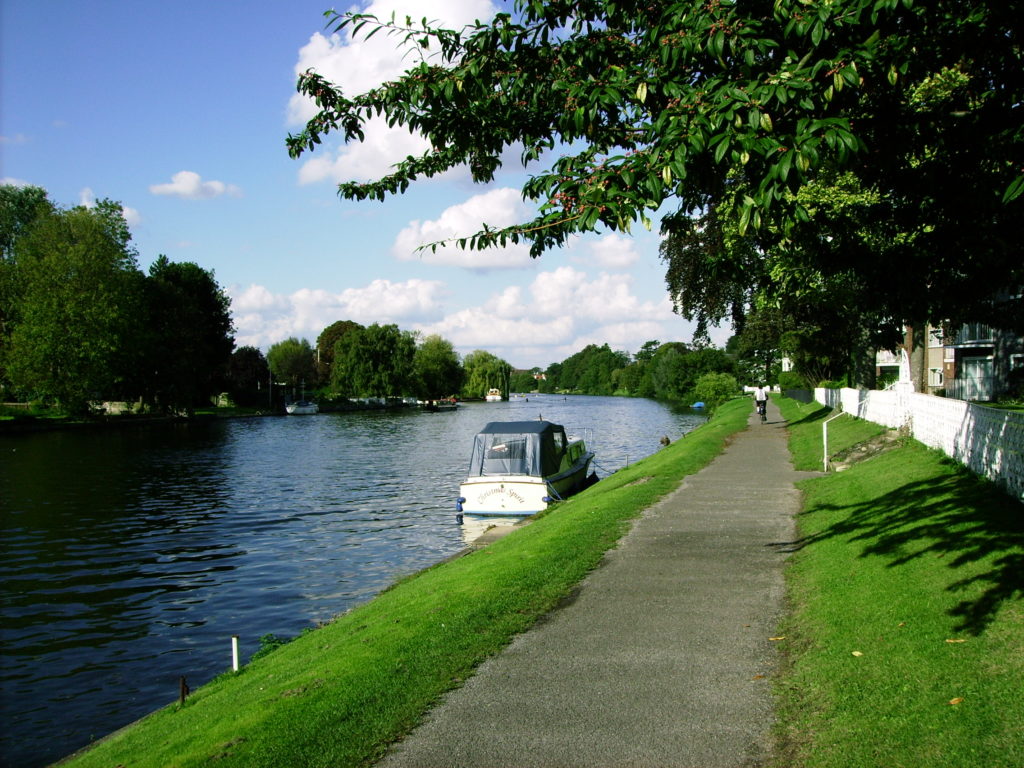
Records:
x=18, y=138
x=190, y=186
x=263, y=318
x=611, y=251
x=373, y=158
x=556, y=315
x=498, y=207
x=360, y=64
x=10, y=181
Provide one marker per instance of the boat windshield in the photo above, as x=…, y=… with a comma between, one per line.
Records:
x=506, y=455
x=518, y=448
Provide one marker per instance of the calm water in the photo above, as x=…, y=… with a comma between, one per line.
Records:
x=130, y=557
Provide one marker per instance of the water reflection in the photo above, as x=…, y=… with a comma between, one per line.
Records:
x=475, y=526
x=131, y=557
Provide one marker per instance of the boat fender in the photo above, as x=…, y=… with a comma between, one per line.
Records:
x=459, y=502
x=547, y=499
x=458, y=518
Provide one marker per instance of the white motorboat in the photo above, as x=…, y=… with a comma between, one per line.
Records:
x=302, y=408
x=493, y=395
x=519, y=467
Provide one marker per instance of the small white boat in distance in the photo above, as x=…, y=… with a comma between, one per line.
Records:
x=519, y=467
x=302, y=408
x=493, y=396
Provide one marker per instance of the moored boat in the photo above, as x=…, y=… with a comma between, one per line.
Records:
x=302, y=408
x=493, y=395
x=439, y=406
x=519, y=467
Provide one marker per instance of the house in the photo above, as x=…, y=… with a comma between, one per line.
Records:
x=979, y=361
x=975, y=363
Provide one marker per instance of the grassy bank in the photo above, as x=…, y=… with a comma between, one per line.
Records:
x=339, y=695
x=907, y=612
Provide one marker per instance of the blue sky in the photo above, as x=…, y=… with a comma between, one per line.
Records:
x=180, y=112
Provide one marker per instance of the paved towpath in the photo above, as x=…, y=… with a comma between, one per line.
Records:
x=663, y=658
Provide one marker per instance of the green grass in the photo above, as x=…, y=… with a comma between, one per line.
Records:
x=339, y=695
x=805, y=422
x=896, y=557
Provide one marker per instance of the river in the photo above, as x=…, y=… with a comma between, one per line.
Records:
x=130, y=556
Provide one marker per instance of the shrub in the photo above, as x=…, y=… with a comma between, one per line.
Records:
x=791, y=380
x=715, y=388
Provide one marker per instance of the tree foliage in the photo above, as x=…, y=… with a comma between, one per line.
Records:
x=248, y=377
x=376, y=361
x=326, y=342
x=292, y=361
x=730, y=109
x=592, y=370
x=190, y=335
x=73, y=306
x=485, y=371
x=439, y=372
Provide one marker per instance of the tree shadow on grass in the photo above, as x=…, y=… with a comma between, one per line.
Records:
x=965, y=522
x=818, y=414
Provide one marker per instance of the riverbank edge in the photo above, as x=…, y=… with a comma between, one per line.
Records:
x=360, y=682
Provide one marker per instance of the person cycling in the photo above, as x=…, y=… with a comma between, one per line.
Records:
x=761, y=401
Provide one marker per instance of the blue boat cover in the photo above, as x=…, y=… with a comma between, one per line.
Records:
x=518, y=448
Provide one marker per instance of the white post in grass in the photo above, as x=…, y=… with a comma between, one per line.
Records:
x=234, y=653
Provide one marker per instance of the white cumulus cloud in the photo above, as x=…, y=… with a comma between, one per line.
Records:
x=612, y=251
x=497, y=207
x=557, y=315
x=190, y=186
x=357, y=65
x=263, y=318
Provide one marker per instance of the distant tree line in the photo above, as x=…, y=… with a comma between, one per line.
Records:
x=81, y=323
x=350, y=360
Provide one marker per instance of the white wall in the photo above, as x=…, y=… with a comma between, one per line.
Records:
x=989, y=441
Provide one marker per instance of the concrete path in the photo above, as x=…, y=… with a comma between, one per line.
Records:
x=663, y=657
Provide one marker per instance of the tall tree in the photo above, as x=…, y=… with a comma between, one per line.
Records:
x=376, y=361
x=325, y=344
x=74, y=309
x=19, y=208
x=438, y=370
x=681, y=106
x=248, y=377
x=190, y=335
x=485, y=371
x=292, y=361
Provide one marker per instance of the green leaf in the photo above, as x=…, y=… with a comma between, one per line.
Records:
x=641, y=92
x=785, y=163
x=744, y=219
x=817, y=32
x=1014, y=190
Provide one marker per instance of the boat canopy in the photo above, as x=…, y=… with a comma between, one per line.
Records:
x=518, y=448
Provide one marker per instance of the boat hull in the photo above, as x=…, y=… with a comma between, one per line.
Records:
x=302, y=409
x=520, y=495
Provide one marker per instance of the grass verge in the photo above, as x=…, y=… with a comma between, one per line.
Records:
x=339, y=695
x=906, y=592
